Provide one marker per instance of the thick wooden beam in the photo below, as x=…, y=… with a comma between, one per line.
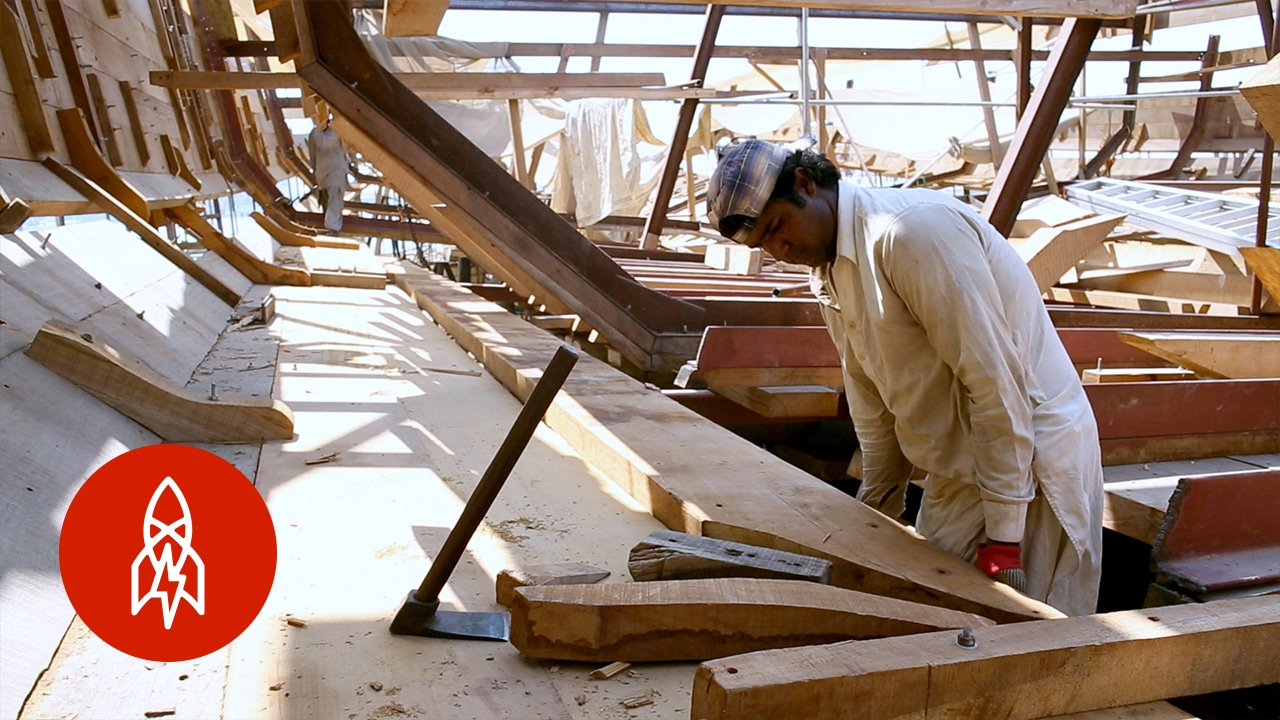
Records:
x=86, y=158
x=23, y=83
x=1265, y=264
x=702, y=619
x=1039, y=122
x=784, y=401
x=106, y=128
x=1215, y=355
x=174, y=413
x=71, y=63
x=1032, y=8
x=44, y=66
x=135, y=122
x=113, y=207
x=1019, y=672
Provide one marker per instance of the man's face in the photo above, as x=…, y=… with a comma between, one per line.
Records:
x=803, y=235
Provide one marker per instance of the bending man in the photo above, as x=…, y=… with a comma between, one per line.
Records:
x=951, y=364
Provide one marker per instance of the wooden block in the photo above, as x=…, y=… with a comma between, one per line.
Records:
x=1046, y=212
x=1262, y=92
x=172, y=412
x=671, y=555
x=13, y=214
x=699, y=619
x=608, y=671
x=135, y=123
x=105, y=126
x=1051, y=252
x=1265, y=263
x=413, y=18
x=734, y=258
x=552, y=574
x=177, y=163
x=1019, y=671
x=1234, y=355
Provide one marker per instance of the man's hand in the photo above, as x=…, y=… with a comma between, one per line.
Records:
x=1003, y=561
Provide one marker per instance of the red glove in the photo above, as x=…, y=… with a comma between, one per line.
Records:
x=1004, y=563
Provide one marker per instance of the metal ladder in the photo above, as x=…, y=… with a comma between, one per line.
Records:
x=1219, y=222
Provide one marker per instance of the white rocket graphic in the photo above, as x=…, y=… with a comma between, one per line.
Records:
x=165, y=566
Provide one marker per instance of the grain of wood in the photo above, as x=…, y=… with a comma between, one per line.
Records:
x=552, y=574
x=1234, y=355
x=700, y=619
x=671, y=555
x=1051, y=252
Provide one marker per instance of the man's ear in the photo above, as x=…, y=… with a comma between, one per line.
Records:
x=804, y=184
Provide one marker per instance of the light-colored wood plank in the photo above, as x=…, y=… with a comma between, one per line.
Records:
x=734, y=258
x=1265, y=263
x=1051, y=252
x=681, y=469
x=831, y=376
x=1235, y=355
x=144, y=230
x=1109, y=375
x=413, y=18
x=1192, y=286
x=671, y=555
x=552, y=574
x=1019, y=671
x=784, y=401
x=701, y=619
x=170, y=411
x=1262, y=91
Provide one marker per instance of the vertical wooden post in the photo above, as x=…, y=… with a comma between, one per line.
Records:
x=984, y=94
x=820, y=62
x=517, y=143
x=675, y=153
x=1022, y=63
x=1035, y=130
x=604, y=23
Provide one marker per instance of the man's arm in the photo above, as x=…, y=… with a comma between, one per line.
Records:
x=885, y=470
x=935, y=261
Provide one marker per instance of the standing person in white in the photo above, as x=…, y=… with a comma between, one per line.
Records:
x=951, y=364
x=330, y=163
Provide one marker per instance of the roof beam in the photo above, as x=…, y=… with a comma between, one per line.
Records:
x=1019, y=8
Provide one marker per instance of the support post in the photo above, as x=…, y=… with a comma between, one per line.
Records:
x=1196, y=131
x=1022, y=63
x=984, y=94
x=1035, y=130
x=675, y=153
x=517, y=144
x=1114, y=143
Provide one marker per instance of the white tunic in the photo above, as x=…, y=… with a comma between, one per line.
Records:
x=952, y=364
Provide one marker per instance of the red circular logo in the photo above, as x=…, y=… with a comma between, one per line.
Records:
x=167, y=553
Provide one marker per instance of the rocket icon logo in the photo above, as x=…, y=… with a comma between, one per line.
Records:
x=168, y=583
x=196, y=575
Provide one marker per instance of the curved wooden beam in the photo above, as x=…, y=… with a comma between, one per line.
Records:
x=668, y=621
x=174, y=413
x=292, y=239
x=249, y=265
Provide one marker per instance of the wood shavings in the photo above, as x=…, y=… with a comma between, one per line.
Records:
x=277, y=686
x=296, y=622
x=636, y=701
x=323, y=459
x=163, y=712
x=609, y=670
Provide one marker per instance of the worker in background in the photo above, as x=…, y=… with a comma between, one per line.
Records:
x=951, y=364
x=330, y=163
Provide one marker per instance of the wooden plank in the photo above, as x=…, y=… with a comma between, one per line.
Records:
x=785, y=401
x=701, y=619
x=678, y=467
x=1029, y=8
x=250, y=265
x=135, y=123
x=1265, y=263
x=172, y=412
x=458, y=85
x=831, y=376
x=23, y=82
x=44, y=66
x=1021, y=671
x=1174, y=286
x=1051, y=252
x=86, y=159
x=1233, y=355
x=177, y=163
x=736, y=259
x=413, y=18
x=1138, y=374
x=553, y=574
x=671, y=555
x=144, y=229
x=71, y=63
x=106, y=127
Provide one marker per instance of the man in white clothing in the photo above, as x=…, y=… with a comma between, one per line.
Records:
x=951, y=364
x=330, y=163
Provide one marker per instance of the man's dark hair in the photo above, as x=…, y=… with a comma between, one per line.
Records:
x=816, y=165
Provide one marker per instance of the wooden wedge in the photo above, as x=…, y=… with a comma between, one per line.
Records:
x=699, y=619
x=174, y=413
x=550, y=574
x=1018, y=672
x=1234, y=355
x=671, y=555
